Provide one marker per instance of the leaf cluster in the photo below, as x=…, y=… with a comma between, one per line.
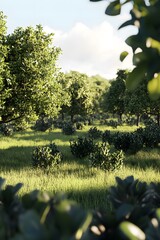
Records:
x=46, y=157
x=105, y=158
x=145, y=44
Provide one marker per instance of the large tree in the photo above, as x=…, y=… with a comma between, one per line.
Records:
x=3, y=66
x=31, y=83
x=145, y=17
x=113, y=99
x=137, y=102
x=79, y=94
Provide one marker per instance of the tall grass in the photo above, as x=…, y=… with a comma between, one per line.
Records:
x=73, y=177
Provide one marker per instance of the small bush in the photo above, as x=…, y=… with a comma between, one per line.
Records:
x=128, y=142
x=106, y=159
x=151, y=135
x=68, y=128
x=82, y=147
x=94, y=133
x=106, y=136
x=20, y=125
x=79, y=125
x=7, y=129
x=46, y=156
x=112, y=123
x=43, y=124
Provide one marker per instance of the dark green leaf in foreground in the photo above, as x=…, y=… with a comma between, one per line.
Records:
x=114, y=8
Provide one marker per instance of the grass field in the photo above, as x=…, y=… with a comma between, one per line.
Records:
x=73, y=177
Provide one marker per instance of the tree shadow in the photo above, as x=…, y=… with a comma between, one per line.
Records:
x=149, y=158
x=16, y=157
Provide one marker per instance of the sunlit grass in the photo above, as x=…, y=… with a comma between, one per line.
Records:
x=73, y=177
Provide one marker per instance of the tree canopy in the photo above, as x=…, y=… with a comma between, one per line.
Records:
x=145, y=17
x=30, y=81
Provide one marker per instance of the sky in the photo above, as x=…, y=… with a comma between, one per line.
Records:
x=89, y=39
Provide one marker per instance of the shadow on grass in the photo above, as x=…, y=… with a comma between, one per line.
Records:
x=46, y=136
x=16, y=157
x=148, y=158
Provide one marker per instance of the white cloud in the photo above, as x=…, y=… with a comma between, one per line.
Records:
x=93, y=50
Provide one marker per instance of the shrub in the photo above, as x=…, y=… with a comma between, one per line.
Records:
x=68, y=128
x=43, y=124
x=151, y=135
x=46, y=157
x=106, y=159
x=79, y=125
x=20, y=125
x=94, y=133
x=112, y=123
x=107, y=136
x=7, y=129
x=82, y=147
x=128, y=142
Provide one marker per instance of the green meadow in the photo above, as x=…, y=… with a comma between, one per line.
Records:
x=73, y=177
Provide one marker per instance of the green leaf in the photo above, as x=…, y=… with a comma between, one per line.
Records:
x=124, y=211
x=123, y=55
x=114, y=8
x=131, y=231
x=30, y=226
x=153, y=44
x=154, y=87
x=95, y=0
x=136, y=77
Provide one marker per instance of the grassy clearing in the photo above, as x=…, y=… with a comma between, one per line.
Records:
x=74, y=177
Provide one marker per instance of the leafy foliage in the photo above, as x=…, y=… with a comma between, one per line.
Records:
x=94, y=133
x=82, y=147
x=68, y=128
x=106, y=159
x=128, y=142
x=151, y=135
x=7, y=129
x=46, y=157
x=30, y=82
x=135, y=214
x=43, y=123
x=145, y=17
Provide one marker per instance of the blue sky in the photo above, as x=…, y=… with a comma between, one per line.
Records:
x=88, y=38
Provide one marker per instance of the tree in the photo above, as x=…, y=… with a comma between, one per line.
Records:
x=31, y=83
x=79, y=94
x=145, y=17
x=114, y=98
x=137, y=102
x=98, y=85
x=3, y=53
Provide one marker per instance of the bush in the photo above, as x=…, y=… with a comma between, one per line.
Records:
x=79, y=125
x=112, y=123
x=107, y=136
x=82, y=147
x=20, y=125
x=106, y=159
x=46, y=157
x=43, y=124
x=7, y=129
x=151, y=135
x=128, y=142
x=68, y=128
x=94, y=133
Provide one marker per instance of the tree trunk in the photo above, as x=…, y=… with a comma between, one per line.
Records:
x=138, y=120
x=158, y=118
